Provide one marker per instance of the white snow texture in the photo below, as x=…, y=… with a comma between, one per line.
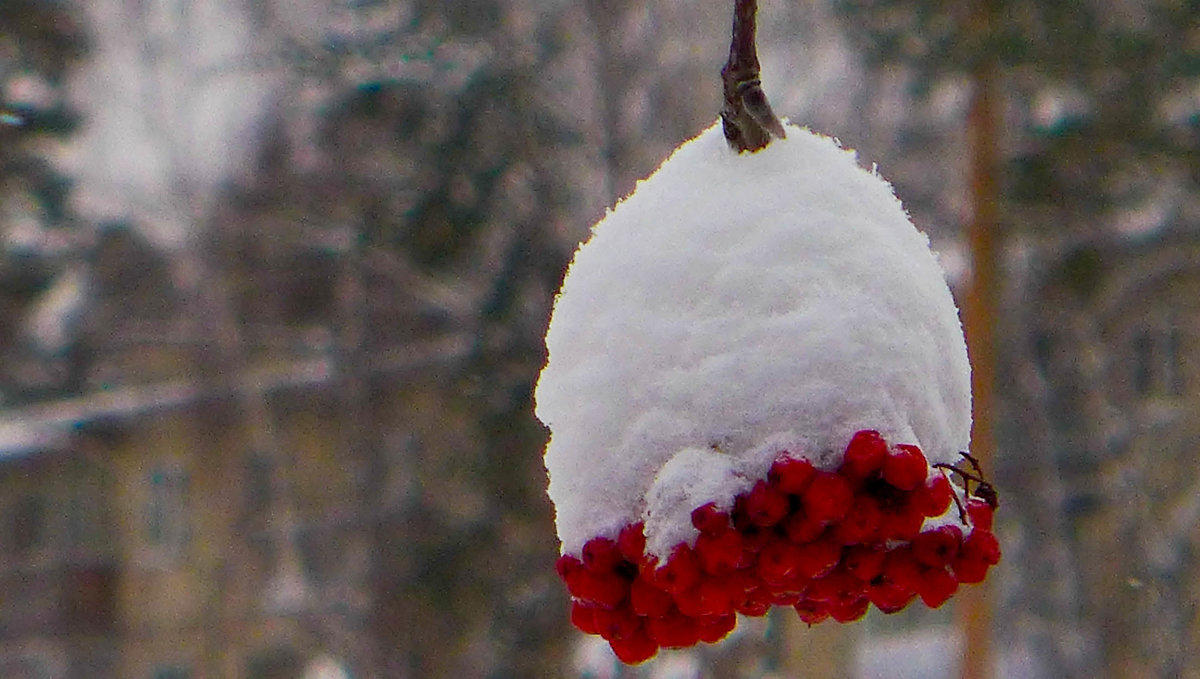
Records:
x=735, y=305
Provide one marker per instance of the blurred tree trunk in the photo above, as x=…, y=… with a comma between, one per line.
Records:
x=980, y=316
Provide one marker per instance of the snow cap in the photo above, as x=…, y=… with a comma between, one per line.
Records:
x=733, y=306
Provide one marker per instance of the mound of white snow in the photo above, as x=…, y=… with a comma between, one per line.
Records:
x=742, y=304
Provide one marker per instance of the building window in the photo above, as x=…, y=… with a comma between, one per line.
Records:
x=167, y=523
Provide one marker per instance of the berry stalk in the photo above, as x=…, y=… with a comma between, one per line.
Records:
x=747, y=118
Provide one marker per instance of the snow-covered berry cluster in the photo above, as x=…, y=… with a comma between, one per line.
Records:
x=885, y=528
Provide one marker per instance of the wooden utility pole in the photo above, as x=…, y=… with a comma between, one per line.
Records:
x=974, y=603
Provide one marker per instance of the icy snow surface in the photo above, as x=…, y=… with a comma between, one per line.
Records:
x=733, y=306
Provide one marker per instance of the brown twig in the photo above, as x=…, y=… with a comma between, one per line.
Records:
x=747, y=117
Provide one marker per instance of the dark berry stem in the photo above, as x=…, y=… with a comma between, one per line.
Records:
x=747, y=118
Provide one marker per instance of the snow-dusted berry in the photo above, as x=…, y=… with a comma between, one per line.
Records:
x=905, y=467
x=791, y=474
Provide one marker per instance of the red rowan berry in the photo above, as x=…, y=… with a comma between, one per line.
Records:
x=755, y=606
x=674, y=630
x=688, y=602
x=888, y=596
x=937, y=547
x=765, y=505
x=605, y=590
x=811, y=612
x=583, y=617
x=849, y=611
x=864, y=561
x=648, y=600
x=861, y=523
x=902, y=568
x=981, y=513
x=864, y=454
x=714, y=628
x=801, y=529
x=936, y=587
x=827, y=498
x=708, y=519
x=680, y=572
x=818, y=558
x=631, y=542
x=716, y=596
x=635, y=649
x=600, y=554
x=935, y=497
x=777, y=560
x=902, y=522
x=791, y=475
x=567, y=565
x=616, y=623
x=905, y=467
x=720, y=553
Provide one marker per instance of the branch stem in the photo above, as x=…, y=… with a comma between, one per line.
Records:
x=747, y=118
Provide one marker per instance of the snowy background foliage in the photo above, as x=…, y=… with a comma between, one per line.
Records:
x=241, y=209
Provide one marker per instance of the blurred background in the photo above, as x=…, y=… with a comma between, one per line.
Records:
x=274, y=276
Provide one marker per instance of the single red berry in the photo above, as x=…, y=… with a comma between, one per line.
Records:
x=864, y=455
x=720, y=553
x=936, y=587
x=985, y=544
x=631, y=542
x=935, y=497
x=801, y=528
x=937, y=547
x=635, y=649
x=864, y=561
x=680, y=573
x=766, y=505
x=978, y=552
x=811, y=612
x=583, y=616
x=567, y=565
x=980, y=512
x=905, y=467
x=827, y=498
x=902, y=568
x=969, y=570
x=754, y=606
x=902, y=522
x=605, y=590
x=616, y=623
x=790, y=474
x=818, y=558
x=718, y=596
x=788, y=596
x=674, y=630
x=600, y=554
x=838, y=586
x=648, y=600
x=849, y=611
x=708, y=519
x=861, y=523
x=889, y=597
x=714, y=628
x=688, y=602
x=777, y=560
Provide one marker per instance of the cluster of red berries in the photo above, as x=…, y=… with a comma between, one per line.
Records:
x=829, y=544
